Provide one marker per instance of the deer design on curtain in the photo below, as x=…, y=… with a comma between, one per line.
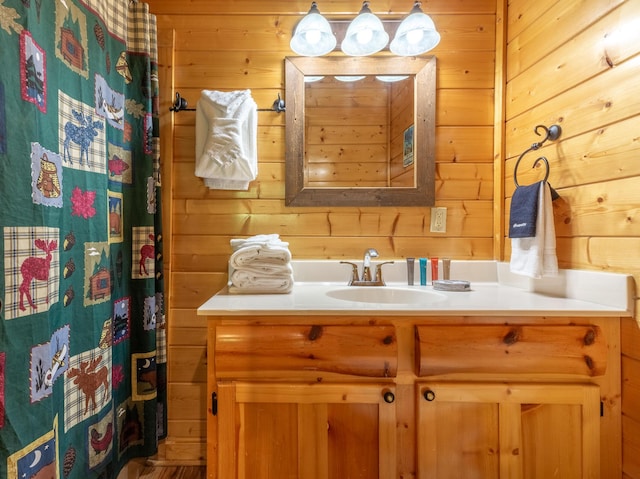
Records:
x=89, y=380
x=34, y=268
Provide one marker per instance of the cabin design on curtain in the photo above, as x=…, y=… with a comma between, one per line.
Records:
x=82, y=324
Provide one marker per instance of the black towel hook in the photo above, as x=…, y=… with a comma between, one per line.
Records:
x=551, y=133
x=180, y=104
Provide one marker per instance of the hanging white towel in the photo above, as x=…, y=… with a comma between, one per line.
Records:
x=536, y=256
x=226, y=139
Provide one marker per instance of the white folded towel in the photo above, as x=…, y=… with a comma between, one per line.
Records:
x=260, y=264
x=536, y=256
x=266, y=248
x=270, y=254
x=261, y=268
x=226, y=139
x=260, y=240
x=245, y=281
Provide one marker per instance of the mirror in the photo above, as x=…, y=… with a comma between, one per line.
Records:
x=369, y=142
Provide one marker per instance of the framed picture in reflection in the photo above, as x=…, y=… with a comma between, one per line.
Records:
x=407, y=147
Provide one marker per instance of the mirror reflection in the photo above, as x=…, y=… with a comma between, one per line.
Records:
x=360, y=131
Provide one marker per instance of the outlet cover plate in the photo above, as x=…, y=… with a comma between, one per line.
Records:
x=439, y=219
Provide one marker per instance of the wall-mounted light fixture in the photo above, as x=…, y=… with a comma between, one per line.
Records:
x=416, y=34
x=313, y=36
x=366, y=34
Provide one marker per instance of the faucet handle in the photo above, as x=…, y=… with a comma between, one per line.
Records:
x=354, y=271
x=379, y=271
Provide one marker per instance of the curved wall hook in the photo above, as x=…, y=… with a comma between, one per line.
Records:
x=535, y=163
x=551, y=133
x=278, y=105
x=180, y=103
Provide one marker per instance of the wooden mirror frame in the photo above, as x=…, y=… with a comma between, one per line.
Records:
x=424, y=69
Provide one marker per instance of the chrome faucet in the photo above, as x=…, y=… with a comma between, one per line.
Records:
x=365, y=279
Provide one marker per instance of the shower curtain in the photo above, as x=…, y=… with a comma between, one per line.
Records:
x=82, y=324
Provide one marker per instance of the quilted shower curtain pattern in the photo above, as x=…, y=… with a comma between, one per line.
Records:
x=82, y=324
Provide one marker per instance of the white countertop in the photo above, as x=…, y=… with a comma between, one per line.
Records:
x=494, y=291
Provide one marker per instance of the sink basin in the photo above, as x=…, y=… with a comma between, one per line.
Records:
x=385, y=295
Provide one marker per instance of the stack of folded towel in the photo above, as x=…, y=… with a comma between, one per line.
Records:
x=260, y=264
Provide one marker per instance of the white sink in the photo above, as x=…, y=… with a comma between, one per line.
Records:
x=385, y=295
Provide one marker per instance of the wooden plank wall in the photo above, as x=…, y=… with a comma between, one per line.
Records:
x=223, y=45
x=576, y=64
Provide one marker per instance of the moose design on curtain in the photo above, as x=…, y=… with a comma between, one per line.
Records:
x=82, y=323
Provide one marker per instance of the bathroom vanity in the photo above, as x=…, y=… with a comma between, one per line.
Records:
x=515, y=379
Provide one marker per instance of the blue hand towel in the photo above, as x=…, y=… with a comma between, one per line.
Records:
x=524, y=211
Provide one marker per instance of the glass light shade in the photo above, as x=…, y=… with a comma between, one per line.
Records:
x=365, y=35
x=313, y=36
x=416, y=34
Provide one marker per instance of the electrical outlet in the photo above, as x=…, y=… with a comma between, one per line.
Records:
x=439, y=220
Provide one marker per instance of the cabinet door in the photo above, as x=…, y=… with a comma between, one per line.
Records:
x=508, y=431
x=301, y=431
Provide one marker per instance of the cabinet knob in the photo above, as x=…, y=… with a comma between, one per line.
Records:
x=429, y=395
x=388, y=397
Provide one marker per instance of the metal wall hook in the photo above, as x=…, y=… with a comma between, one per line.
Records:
x=278, y=105
x=551, y=133
x=535, y=163
x=180, y=104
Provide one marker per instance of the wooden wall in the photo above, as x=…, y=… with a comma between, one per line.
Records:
x=223, y=45
x=570, y=62
x=576, y=64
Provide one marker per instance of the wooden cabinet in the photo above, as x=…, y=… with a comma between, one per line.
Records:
x=508, y=430
x=312, y=401
x=315, y=431
x=423, y=397
x=541, y=420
